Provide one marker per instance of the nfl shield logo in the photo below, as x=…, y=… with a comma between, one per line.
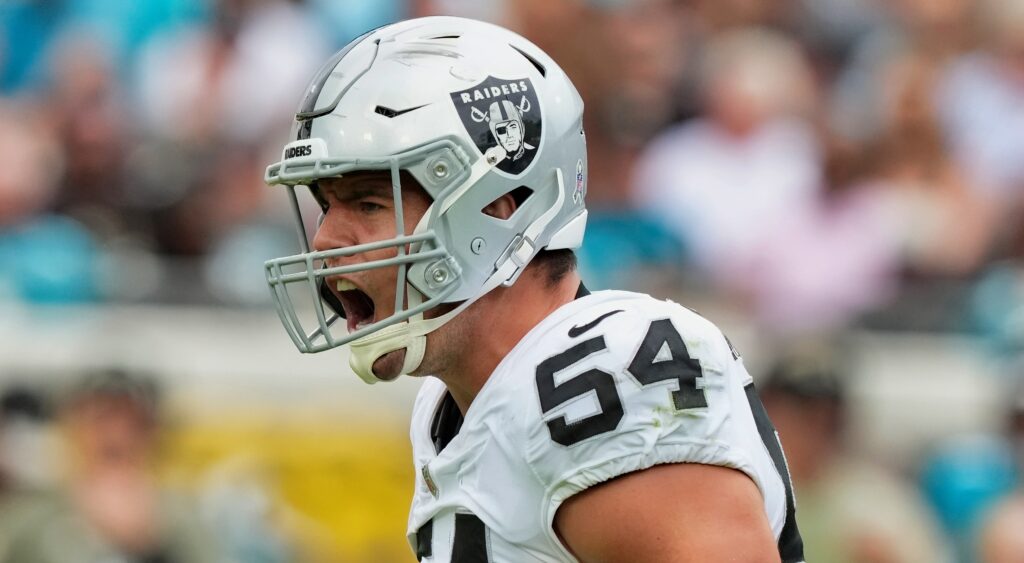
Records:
x=502, y=112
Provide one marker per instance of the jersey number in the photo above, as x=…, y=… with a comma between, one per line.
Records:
x=662, y=356
x=468, y=546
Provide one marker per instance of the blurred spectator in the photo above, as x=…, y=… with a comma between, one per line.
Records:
x=927, y=189
x=725, y=180
x=830, y=260
x=981, y=100
x=31, y=160
x=832, y=28
x=43, y=258
x=625, y=58
x=938, y=30
x=1000, y=539
x=945, y=227
x=938, y=27
x=230, y=81
x=228, y=192
x=963, y=478
x=886, y=217
x=207, y=105
x=849, y=509
x=85, y=104
x=111, y=508
x=887, y=209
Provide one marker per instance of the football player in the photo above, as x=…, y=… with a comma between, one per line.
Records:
x=553, y=424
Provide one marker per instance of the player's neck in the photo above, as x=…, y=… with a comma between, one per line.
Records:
x=506, y=316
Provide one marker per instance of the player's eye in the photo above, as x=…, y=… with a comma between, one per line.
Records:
x=367, y=206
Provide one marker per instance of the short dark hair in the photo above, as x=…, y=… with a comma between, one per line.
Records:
x=556, y=264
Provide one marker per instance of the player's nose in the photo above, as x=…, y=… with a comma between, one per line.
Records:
x=333, y=232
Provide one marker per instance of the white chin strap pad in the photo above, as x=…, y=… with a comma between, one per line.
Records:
x=367, y=350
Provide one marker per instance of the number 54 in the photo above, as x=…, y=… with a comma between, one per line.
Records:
x=650, y=365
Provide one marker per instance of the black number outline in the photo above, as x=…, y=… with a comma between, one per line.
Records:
x=682, y=367
x=601, y=382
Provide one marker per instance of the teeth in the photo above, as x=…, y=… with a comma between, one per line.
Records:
x=362, y=323
x=345, y=285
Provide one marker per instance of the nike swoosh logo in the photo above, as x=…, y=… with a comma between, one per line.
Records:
x=392, y=113
x=580, y=329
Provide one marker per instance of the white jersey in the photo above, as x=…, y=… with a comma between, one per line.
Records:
x=611, y=383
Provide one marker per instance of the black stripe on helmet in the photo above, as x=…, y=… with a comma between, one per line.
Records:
x=307, y=107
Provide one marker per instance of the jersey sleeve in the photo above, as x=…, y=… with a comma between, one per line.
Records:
x=659, y=385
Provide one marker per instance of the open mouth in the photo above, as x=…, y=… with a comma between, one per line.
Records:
x=359, y=308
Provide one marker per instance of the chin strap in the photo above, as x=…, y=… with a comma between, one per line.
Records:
x=412, y=333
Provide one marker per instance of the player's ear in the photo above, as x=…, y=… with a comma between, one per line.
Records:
x=501, y=208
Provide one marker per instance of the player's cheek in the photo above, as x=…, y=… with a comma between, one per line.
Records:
x=385, y=280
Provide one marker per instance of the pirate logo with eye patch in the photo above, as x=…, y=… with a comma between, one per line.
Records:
x=506, y=113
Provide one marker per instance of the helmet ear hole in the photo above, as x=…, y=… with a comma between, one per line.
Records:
x=506, y=205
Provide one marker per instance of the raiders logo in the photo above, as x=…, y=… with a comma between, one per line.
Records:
x=502, y=112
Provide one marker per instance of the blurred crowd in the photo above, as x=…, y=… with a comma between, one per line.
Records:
x=80, y=481
x=816, y=165
x=816, y=162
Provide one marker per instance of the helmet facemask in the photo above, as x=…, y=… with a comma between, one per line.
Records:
x=298, y=283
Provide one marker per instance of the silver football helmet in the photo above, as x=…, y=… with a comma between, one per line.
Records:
x=473, y=112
